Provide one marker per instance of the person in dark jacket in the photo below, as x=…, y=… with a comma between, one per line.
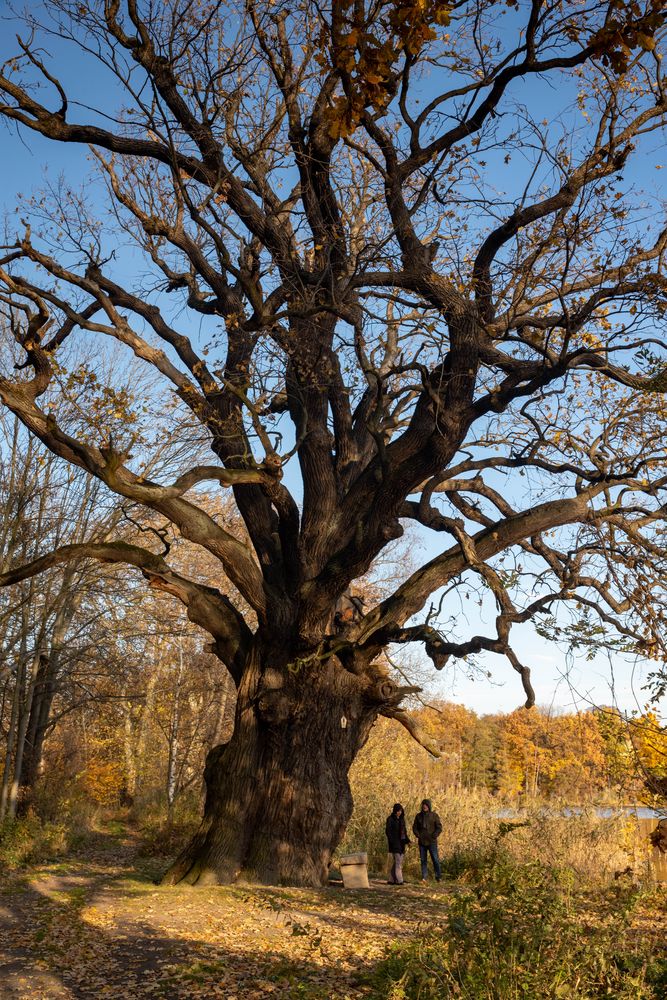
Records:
x=427, y=828
x=397, y=841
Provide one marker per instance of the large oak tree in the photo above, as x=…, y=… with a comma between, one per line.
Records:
x=393, y=267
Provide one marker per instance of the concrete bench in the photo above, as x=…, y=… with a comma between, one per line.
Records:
x=354, y=869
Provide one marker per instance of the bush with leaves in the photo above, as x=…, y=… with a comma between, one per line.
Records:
x=521, y=931
x=29, y=840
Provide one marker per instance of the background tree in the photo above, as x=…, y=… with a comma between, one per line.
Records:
x=44, y=623
x=443, y=305
x=546, y=753
x=75, y=635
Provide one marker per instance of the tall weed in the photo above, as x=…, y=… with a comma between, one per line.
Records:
x=29, y=839
x=522, y=932
x=474, y=823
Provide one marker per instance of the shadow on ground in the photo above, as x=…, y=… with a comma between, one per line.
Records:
x=97, y=925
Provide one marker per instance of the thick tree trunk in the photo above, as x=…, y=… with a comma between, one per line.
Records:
x=43, y=692
x=10, y=745
x=40, y=710
x=277, y=795
x=20, y=741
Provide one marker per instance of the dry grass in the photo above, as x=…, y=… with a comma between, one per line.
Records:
x=474, y=822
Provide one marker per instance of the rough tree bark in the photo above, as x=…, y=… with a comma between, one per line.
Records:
x=277, y=795
x=44, y=691
x=388, y=323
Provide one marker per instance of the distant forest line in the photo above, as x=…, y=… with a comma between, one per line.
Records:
x=599, y=753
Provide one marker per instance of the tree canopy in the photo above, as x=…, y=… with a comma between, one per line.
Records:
x=395, y=268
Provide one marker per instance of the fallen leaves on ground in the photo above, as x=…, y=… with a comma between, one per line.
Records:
x=98, y=926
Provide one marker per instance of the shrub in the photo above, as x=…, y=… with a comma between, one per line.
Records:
x=67, y=803
x=522, y=931
x=28, y=839
x=160, y=837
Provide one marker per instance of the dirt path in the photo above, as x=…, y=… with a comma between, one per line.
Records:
x=97, y=926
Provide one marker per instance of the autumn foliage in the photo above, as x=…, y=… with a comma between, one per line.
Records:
x=383, y=268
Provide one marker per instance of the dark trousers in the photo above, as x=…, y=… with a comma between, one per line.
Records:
x=424, y=852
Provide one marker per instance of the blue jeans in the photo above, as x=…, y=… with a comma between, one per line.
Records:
x=424, y=852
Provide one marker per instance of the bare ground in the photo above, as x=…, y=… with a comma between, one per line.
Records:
x=98, y=926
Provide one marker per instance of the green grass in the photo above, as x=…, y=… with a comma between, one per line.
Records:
x=114, y=828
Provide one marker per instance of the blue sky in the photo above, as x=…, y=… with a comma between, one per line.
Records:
x=559, y=681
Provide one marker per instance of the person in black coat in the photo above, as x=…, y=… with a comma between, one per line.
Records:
x=397, y=841
x=427, y=828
